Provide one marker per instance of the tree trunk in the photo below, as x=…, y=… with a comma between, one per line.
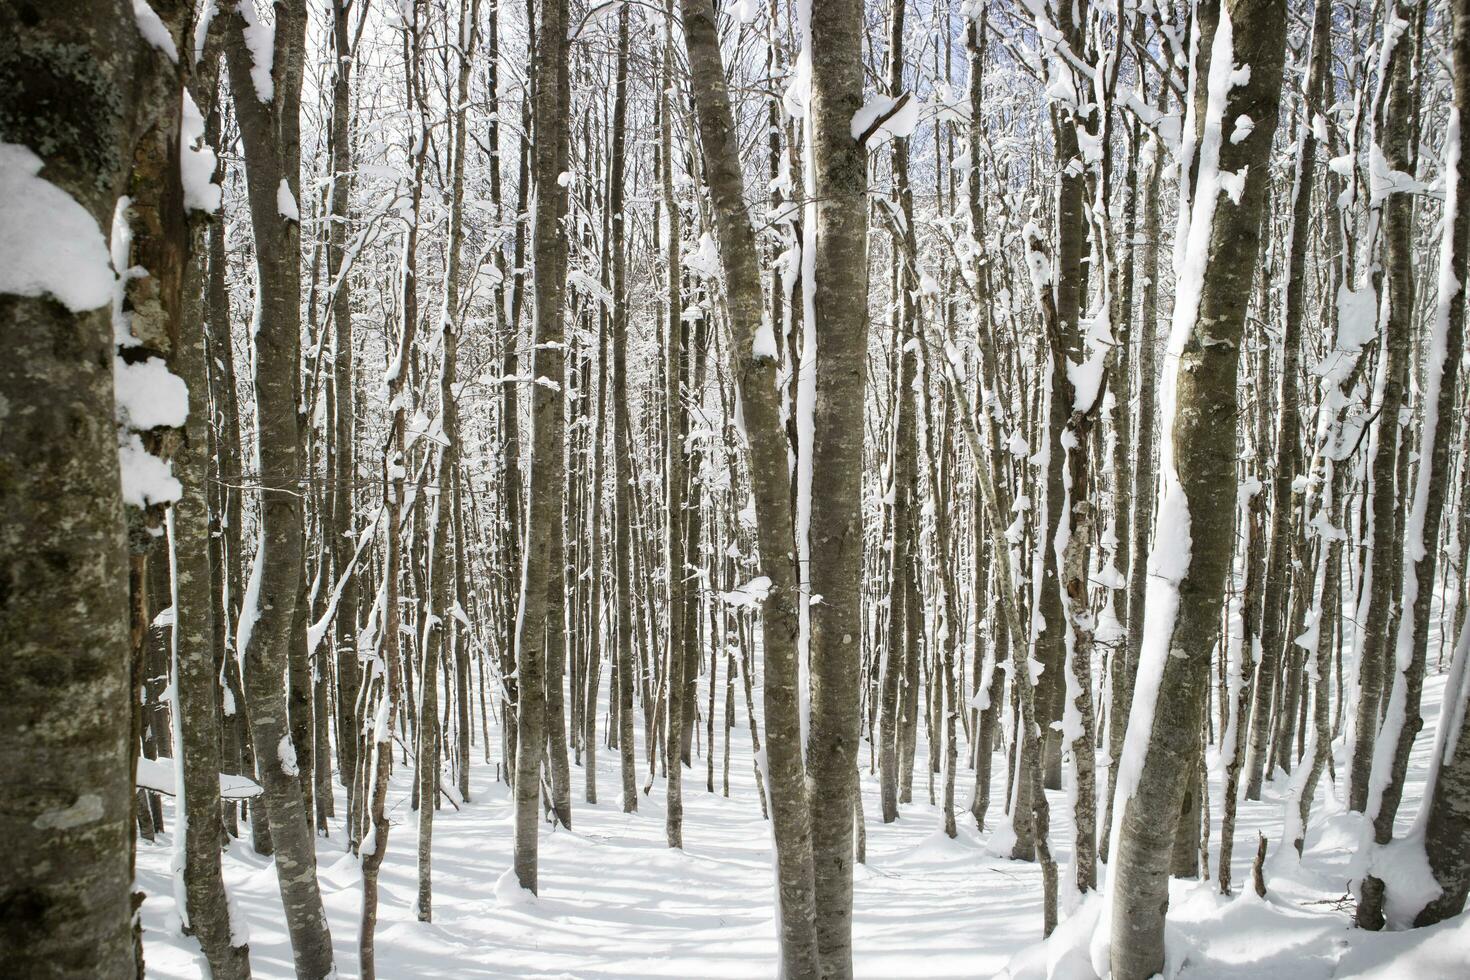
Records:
x=547, y=478
x=349, y=668
x=1391, y=132
x=442, y=587
x=1280, y=536
x=65, y=695
x=269, y=130
x=753, y=354
x=1218, y=252
x=1443, y=349
x=1447, y=821
x=196, y=703
x=624, y=680
x=675, y=350
x=839, y=306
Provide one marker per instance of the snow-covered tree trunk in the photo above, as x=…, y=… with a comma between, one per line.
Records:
x=206, y=911
x=1444, y=347
x=1391, y=126
x=68, y=119
x=1144, y=473
x=1191, y=555
x=267, y=106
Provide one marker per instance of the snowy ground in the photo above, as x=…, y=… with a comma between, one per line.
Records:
x=615, y=902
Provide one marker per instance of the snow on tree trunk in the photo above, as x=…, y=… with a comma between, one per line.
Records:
x=270, y=134
x=1238, y=50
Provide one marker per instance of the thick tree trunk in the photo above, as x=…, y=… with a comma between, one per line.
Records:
x=65, y=693
x=840, y=307
x=1218, y=253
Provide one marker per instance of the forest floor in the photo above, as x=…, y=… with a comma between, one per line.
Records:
x=616, y=903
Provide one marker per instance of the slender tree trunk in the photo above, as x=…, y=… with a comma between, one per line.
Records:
x=349, y=668
x=1443, y=350
x=901, y=611
x=1391, y=133
x=547, y=478
x=945, y=686
x=840, y=307
x=674, y=461
x=623, y=654
x=593, y=682
x=1144, y=491
x=441, y=591
x=1280, y=536
x=1250, y=526
x=512, y=497
x=557, y=766
x=269, y=130
x=196, y=704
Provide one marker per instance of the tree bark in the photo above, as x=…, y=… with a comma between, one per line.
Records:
x=1391, y=132
x=195, y=672
x=625, y=680
x=1219, y=249
x=840, y=307
x=675, y=350
x=549, y=97
x=754, y=363
x=270, y=133
x=344, y=457
x=66, y=86
x=1281, y=537
x=1443, y=350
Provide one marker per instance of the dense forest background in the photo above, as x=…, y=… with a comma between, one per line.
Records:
x=431, y=426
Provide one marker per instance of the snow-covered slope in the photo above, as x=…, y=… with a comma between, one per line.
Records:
x=615, y=902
